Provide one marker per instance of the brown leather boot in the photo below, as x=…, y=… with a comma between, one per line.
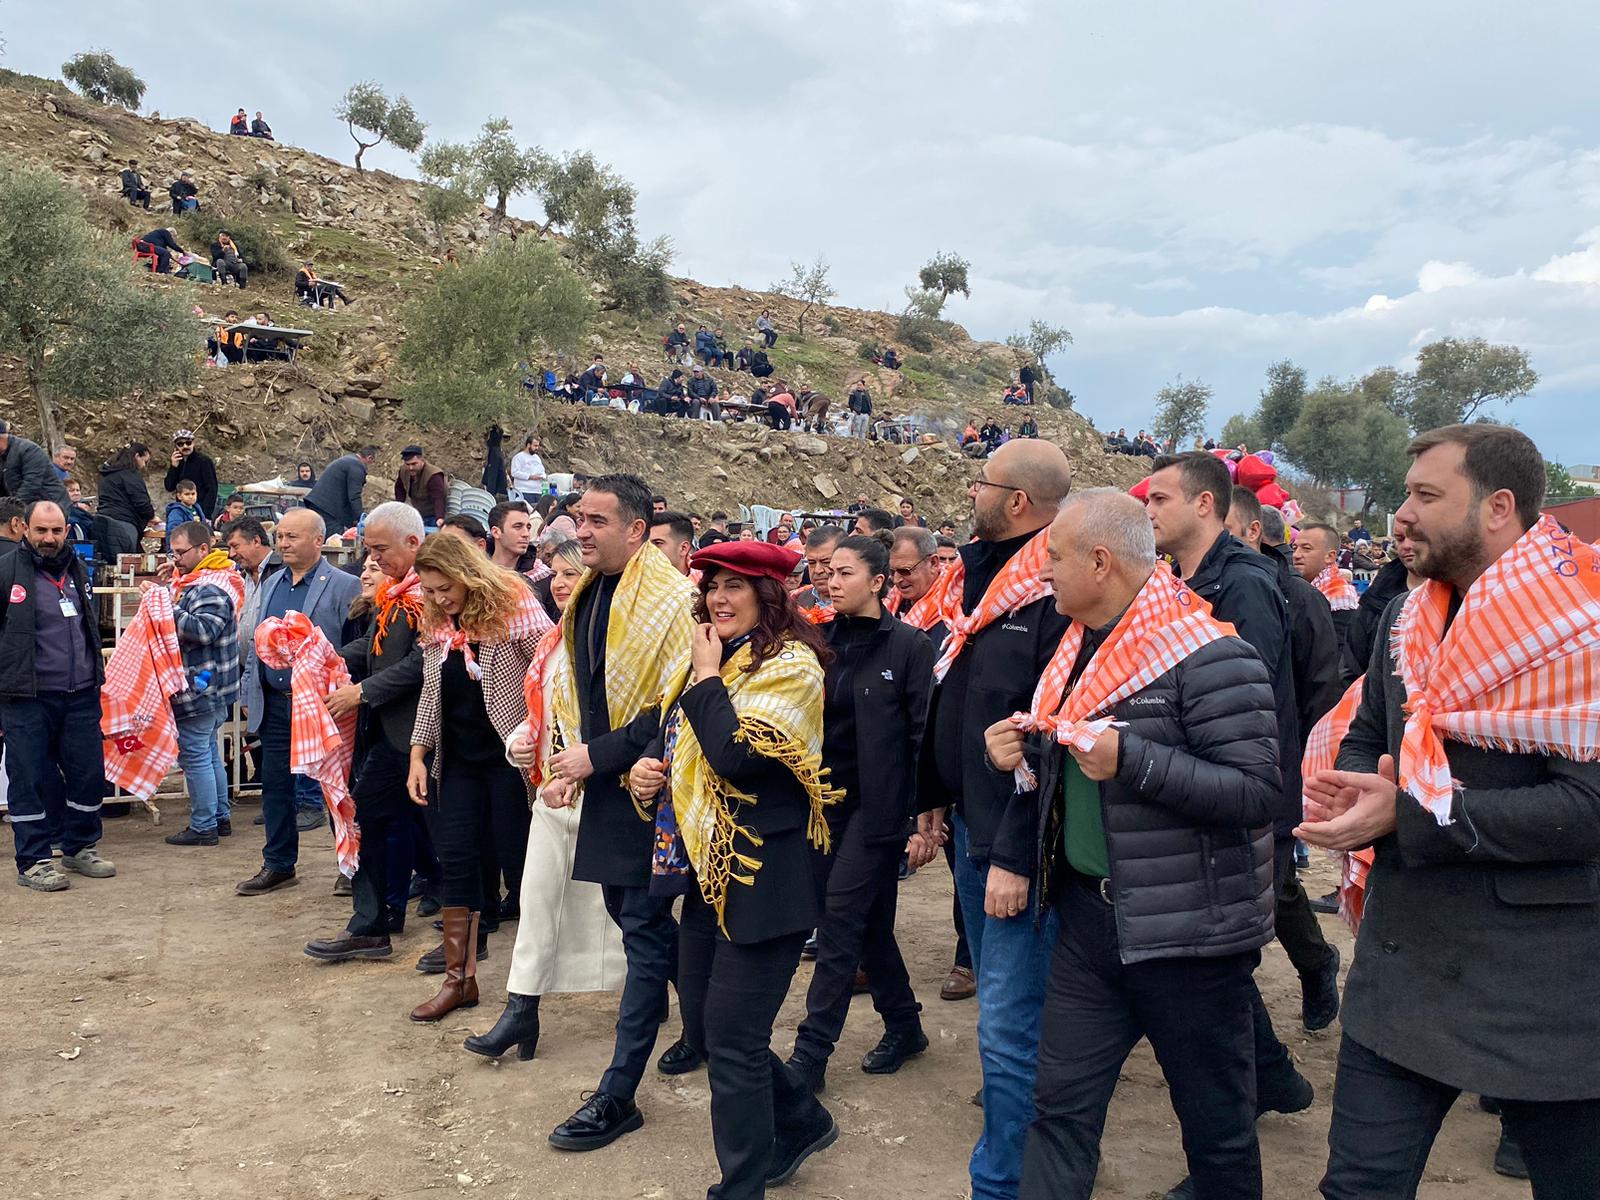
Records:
x=460, y=986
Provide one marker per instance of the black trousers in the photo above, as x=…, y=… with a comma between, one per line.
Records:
x=732, y=993
x=963, y=951
x=1295, y=922
x=1195, y=1011
x=650, y=944
x=1385, y=1118
x=381, y=803
x=481, y=807
x=857, y=928
x=779, y=415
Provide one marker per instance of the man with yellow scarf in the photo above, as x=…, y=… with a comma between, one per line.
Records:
x=627, y=629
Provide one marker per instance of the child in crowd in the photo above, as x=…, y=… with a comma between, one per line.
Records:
x=185, y=506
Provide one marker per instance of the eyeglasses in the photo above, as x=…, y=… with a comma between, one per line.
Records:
x=905, y=572
x=185, y=442
x=980, y=481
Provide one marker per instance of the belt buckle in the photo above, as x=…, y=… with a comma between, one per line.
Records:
x=1105, y=890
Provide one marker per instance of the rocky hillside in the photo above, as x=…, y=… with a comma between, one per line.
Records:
x=367, y=230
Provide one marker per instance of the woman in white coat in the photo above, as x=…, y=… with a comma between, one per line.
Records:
x=566, y=942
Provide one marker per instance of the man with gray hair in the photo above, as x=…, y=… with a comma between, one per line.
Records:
x=1155, y=768
x=386, y=669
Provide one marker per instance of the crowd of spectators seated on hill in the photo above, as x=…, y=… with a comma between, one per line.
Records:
x=241, y=127
x=1141, y=443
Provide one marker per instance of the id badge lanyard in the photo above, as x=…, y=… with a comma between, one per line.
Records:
x=69, y=607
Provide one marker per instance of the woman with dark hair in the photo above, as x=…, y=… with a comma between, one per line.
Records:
x=123, y=503
x=878, y=688
x=739, y=792
x=305, y=475
x=480, y=629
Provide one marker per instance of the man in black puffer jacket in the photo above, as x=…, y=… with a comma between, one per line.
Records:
x=1155, y=846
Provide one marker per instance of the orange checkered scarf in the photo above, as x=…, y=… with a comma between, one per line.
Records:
x=529, y=619
x=1016, y=584
x=143, y=673
x=924, y=613
x=533, y=689
x=217, y=570
x=1518, y=670
x=397, y=598
x=319, y=745
x=1340, y=592
x=1322, y=752
x=1164, y=625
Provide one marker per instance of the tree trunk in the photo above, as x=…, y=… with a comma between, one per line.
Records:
x=49, y=421
x=500, y=205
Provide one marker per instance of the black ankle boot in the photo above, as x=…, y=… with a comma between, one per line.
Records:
x=518, y=1026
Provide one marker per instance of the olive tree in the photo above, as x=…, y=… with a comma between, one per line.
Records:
x=807, y=284
x=366, y=107
x=103, y=79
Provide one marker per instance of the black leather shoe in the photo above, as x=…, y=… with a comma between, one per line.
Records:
x=190, y=836
x=1319, y=994
x=349, y=945
x=518, y=1026
x=1327, y=905
x=224, y=827
x=1184, y=1191
x=261, y=819
x=1508, y=1160
x=1291, y=1095
x=266, y=880
x=602, y=1120
x=432, y=963
x=808, y=1075
x=792, y=1146
x=808, y=952
x=680, y=1058
x=342, y=885
x=892, y=1050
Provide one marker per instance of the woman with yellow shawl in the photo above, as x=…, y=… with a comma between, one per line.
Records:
x=739, y=792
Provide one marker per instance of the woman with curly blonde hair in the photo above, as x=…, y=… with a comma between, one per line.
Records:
x=480, y=628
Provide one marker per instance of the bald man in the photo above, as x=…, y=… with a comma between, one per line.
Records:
x=1015, y=496
x=305, y=584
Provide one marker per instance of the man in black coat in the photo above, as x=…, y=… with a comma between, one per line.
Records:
x=336, y=495
x=1014, y=498
x=386, y=673
x=195, y=466
x=1155, y=845
x=27, y=472
x=1477, y=964
x=1188, y=502
x=133, y=189
x=50, y=676
x=614, y=843
x=182, y=189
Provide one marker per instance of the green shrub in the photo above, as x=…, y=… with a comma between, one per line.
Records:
x=869, y=351
x=917, y=332
x=832, y=324
x=263, y=249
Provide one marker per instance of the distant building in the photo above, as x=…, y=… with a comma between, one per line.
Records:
x=1585, y=475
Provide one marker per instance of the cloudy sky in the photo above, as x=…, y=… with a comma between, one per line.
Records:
x=1190, y=186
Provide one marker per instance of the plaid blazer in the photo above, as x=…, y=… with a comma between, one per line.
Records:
x=504, y=665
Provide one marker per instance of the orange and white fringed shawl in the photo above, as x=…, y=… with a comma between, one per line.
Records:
x=1016, y=584
x=1322, y=752
x=1340, y=592
x=533, y=690
x=529, y=619
x=143, y=673
x=926, y=612
x=319, y=745
x=1164, y=625
x=217, y=570
x=1518, y=670
x=400, y=598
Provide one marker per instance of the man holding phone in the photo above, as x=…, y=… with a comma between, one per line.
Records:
x=190, y=463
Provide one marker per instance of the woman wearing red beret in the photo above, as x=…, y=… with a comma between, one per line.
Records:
x=739, y=793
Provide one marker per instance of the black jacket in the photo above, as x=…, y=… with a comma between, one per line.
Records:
x=860, y=401
x=29, y=474
x=1389, y=582
x=993, y=678
x=782, y=898
x=198, y=468
x=124, y=497
x=702, y=387
x=1314, y=646
x=1478, y=957
x=1242, y=588
x=160, y=239
x=614, y=841
x=1188, y=815
x=390, y=676
x=18, y=680
x=337, y=492
x=180, y=191
x=892, y=682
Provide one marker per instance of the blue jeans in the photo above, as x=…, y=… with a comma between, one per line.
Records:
x=307, y=794
x=203, y=769
x=52, y=739
x=1011, y=959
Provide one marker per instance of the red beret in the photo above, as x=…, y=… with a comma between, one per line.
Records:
x=748, y=558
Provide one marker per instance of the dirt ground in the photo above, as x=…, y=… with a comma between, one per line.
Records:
x=213, y=1059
